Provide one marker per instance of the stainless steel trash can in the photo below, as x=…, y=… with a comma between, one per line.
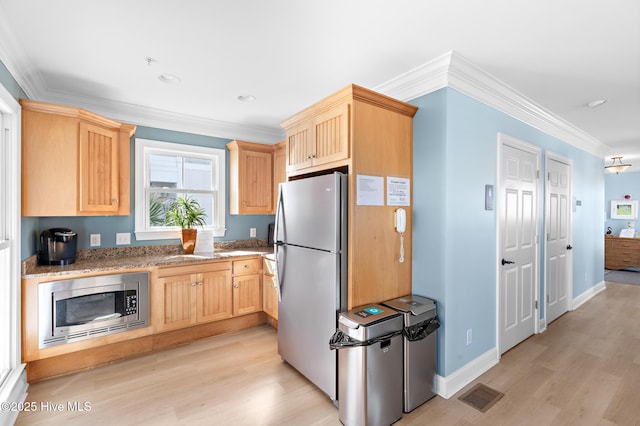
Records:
x=419, y=348
x=369, y=343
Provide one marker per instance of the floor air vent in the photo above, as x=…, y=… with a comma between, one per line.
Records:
x=481, y=397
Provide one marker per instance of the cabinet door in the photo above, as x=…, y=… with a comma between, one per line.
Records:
x=99, y=180
x=256, y=183
x=179, y=302
x=270, y=296
x=331, y=135
x=215, y=296
x=247, y=294
x=299, y=146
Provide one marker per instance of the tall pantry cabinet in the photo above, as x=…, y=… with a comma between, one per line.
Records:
x=364, y=134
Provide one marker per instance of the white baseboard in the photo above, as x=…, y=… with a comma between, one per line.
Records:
x=448, y=386
x=587, y=295
x=542, y=325
x=14, y=389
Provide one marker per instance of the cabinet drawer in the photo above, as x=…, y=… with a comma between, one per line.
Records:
x=193, y=268
x=247, y=266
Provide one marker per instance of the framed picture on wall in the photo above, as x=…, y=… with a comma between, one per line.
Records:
x=624, y=209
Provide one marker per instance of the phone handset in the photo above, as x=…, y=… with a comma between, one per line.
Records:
x=401, y=226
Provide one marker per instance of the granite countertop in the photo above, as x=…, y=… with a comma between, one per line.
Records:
x=113, y=259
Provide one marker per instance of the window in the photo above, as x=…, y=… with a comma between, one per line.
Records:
x=165, y=171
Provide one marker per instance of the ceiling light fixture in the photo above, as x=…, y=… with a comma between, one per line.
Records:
x=246, y=98
x=596, y=103
x=169, y=79
x=619, y=167
x=149, y=60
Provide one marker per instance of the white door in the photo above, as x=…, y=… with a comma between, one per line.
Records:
x=558, y=237
x=518, y=224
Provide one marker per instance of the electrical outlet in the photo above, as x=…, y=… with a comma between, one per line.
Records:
x=252, y=232
x=123, y=238
x=94, y=240
x=468, y=337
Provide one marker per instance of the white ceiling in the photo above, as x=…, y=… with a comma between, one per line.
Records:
x=292, y=53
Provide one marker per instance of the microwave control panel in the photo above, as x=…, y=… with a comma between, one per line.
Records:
x=130, y=302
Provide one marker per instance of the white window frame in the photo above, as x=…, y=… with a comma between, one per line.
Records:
x=13, y=384
x=144, y=147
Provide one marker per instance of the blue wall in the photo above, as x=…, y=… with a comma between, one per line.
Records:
x=10, y=83
x=454, y=237
x=615, y=188
x=237, y=225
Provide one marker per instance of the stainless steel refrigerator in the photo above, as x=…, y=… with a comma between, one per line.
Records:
x=311, y=256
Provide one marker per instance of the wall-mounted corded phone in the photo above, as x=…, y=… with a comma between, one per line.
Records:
x=401, y=226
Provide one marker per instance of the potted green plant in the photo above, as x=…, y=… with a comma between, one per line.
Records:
x=186, y=213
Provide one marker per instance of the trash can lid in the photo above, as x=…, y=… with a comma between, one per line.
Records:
x=369, y=321
x=366, y=315
x=415, y=304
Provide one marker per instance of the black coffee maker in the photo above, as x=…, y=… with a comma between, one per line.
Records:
x=58, y=246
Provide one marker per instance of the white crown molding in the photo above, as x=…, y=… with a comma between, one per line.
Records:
x=160, y=119
x=454, y=71
x=420, y=81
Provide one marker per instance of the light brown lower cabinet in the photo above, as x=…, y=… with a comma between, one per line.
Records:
x=270, y=289
x=189, y=295
x=270, y=296
x=208, y=298
x=247, y=286
x=183, y=296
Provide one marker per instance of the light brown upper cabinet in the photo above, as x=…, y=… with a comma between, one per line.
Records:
x=74, y=162
x=318, y=139
x=251, y=178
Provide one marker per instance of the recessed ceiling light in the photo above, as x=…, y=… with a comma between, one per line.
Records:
x=246, y=98
x=149, y=60
x=169, y=79
x=596, y=103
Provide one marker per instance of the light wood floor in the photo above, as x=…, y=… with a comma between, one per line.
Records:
x=584, y=370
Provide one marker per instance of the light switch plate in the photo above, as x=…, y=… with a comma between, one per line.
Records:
x=488, y=197
x=123, y=238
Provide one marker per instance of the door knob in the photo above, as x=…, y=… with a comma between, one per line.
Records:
x=569, y=247
x=507, y=262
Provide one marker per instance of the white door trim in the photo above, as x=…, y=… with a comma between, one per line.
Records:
x=504, y=139
x=561, y=159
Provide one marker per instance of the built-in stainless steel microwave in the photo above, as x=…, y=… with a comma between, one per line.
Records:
x=78, y=309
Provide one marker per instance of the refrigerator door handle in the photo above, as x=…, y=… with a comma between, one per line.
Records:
x=277, y=243
x=277, y=218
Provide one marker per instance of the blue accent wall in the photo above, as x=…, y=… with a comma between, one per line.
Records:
x=616, y=186
x=454, y=237
x=10, y=83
